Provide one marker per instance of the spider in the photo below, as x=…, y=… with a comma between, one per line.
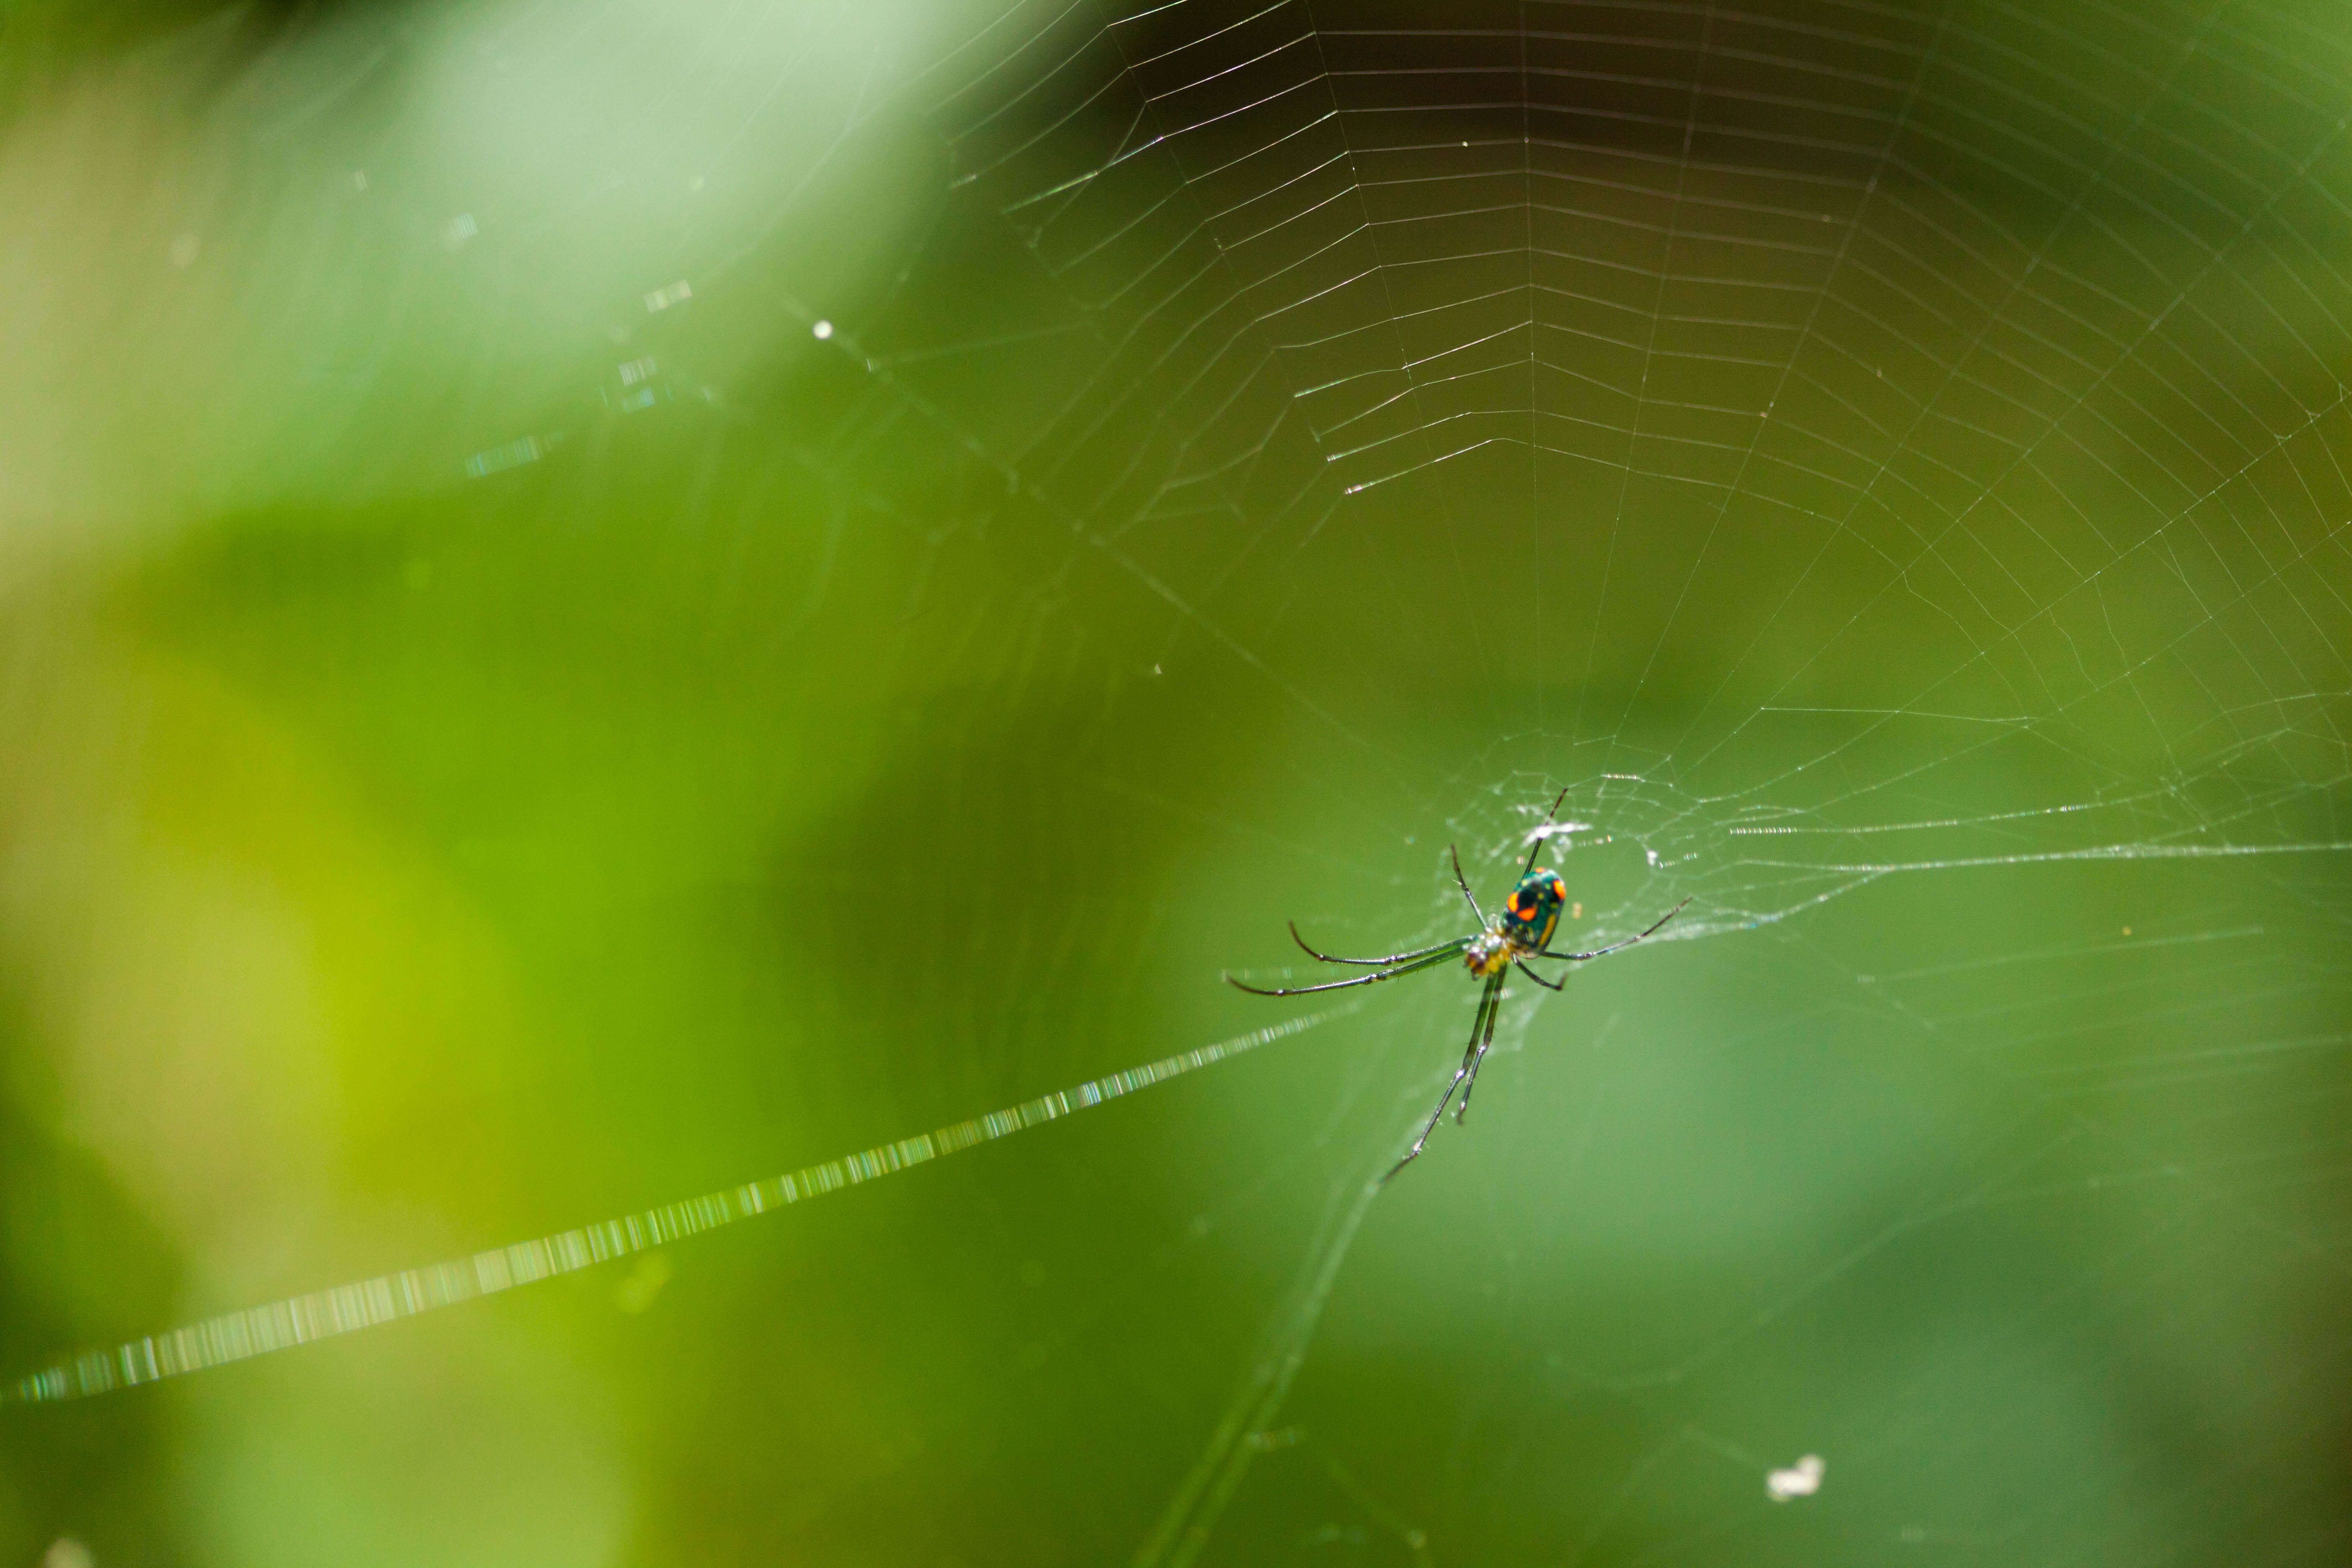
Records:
x=1524, y=933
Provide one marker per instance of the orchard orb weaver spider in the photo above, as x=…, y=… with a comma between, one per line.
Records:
x=1524, y=932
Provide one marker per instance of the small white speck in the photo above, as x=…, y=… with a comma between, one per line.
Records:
x=184, y=250
x=1653, y=855
x=822, y=330
x=1802, y=1479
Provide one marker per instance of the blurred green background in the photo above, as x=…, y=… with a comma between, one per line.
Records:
x=598, y=602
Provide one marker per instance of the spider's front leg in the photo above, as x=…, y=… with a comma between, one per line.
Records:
x=1482, y=1029
x=1438, y=954
x=1477, y=1058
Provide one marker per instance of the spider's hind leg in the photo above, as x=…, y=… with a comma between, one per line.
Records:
x=1534, y=846
x=1464, y=883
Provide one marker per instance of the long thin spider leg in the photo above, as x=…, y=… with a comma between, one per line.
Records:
x=1550, y=984
x=1596, y=953
x=1479, y=1059
x=1537, y=848
x=1464, y=884
x=1373, y=962
x=1438, y=956
x=1479, y=1027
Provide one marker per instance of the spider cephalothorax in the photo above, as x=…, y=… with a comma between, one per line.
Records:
x=1525, y=931
x=1489, y=952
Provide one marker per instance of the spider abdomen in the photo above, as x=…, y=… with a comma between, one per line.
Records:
x=1533, y=912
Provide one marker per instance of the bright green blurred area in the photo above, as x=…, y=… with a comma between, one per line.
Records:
x=599, y=602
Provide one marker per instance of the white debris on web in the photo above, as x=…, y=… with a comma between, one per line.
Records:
x=1553, y=830
x=1802, y=1479
x=324, y=1314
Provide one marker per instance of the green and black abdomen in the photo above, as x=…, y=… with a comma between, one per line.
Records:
x=1533, y=912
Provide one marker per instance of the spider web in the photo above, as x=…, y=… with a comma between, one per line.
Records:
x=1883, y=462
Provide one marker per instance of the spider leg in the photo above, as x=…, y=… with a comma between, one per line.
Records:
x=1596, y=953
x=1373, y=962
x=1436, y=956
x=1548, y=985
x=1537, y=848
x=1464, y=882
x=1481, y=1027
x=1479, y=1059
